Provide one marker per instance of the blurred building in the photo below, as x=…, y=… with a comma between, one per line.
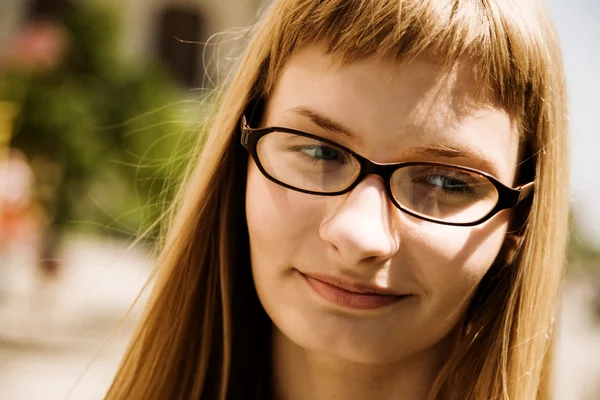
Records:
x=168, y=29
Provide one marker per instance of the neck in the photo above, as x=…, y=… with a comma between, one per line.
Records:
x=302, y=374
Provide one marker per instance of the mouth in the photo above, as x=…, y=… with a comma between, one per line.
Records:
x=350, y=294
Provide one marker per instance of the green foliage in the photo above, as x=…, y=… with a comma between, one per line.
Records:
x=105, y=139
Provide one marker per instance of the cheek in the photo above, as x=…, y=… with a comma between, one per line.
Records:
x=453, y=260
x=281, y=223
x=279, y=220
x=264, y=206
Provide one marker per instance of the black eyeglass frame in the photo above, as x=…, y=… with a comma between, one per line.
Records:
x=507, y=197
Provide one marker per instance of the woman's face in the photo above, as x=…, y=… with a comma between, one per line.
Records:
x=317, y=260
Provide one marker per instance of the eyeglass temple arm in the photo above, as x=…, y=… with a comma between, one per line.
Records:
x=525, y=191
x=244, y=128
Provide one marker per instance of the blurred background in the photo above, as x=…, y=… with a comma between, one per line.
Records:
x=100, y=102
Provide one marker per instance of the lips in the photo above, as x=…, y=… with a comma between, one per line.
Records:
x=352, y=294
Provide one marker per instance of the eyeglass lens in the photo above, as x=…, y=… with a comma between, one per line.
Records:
x=438, y=192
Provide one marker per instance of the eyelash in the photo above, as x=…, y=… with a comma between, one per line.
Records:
x=301, y=150
x=464, y=189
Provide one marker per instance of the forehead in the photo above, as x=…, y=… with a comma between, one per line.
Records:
x=391, y=108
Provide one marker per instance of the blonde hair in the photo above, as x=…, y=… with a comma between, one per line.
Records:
x=205, y=334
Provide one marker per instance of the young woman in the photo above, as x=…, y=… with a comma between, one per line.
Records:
x=379, y=212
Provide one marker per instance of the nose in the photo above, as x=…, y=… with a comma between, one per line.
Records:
x=361, y=228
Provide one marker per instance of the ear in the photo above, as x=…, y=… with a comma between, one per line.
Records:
x=516, y=232
x=510, y=246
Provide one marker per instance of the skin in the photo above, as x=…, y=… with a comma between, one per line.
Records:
x=326, y=351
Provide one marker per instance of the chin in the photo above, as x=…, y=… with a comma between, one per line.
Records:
x=344, y=338
x=376, y=350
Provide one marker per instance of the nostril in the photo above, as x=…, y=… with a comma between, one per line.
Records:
x=372, y=260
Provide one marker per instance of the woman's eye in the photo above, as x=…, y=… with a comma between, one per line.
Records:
x=322, y=153
x=447, y=183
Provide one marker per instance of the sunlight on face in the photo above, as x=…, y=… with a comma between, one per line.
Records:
x=353, y=276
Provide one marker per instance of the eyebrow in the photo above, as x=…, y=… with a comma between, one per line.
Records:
x=441, y=150
x=457, y=151
x=323, y=121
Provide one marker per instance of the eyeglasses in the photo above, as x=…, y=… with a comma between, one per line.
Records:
x=437, y=192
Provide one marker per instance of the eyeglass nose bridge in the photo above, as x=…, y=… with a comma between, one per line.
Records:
x=369, y=167
x=384, y=171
